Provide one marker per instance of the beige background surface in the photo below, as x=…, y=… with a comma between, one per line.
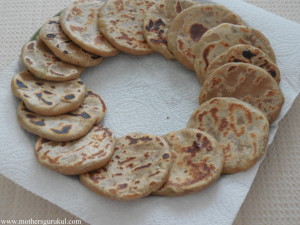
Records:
x=274, y=198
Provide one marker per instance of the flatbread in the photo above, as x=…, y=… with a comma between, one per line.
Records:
x=48, y=97
x=63, y=47
x=121, y=22
x=248, y=83
x=39, y=60
x=66, y=127
x=83, y=155
x=197, y=162
x=219, y=39
x=157, y=23
x=79, y=23
x=140, y=165
x=241, y=129
x=245, y=54
x=189, y=25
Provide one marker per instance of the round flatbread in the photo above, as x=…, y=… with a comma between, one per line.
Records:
x=66, y=127
x=245, y=54
x=248, y=83
x=140, y=165
x=221, y=38
x=241, y=129
x=79, y=23
x=88, y=153
x=197, y=162
x=48, y=97
x=189, y=26
x=40, y=61
x=63, y=47
x=121, y=22
x=157, y=23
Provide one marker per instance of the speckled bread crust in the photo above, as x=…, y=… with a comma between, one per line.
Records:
x=241, y=129
x=220, y=38
x=83, y=155
x=140, y=165
x=157, y=23
x=189, y=25
x=62, y=46
x=48, y=97
x=121, y=22
x=79, y=23
x=197, y=162
x=66, y=127
x=245, y=54
x=39, y=60
x=248, y=83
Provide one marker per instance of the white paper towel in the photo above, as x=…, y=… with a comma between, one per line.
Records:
x=147, y=94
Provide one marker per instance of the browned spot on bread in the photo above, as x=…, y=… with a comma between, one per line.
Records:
x=248, y=54
x=99, y=39
x=77, y=28
x=30, y=46
x=50, y=35
x=178, y=7
x=37, y=122
x=20, y=84
x=53, y=22
x=150, y=25
x=142, y=167
x=64, y=130
x=39, y=95
x=180, y=44
x=69, y=97
x=84, y=115
x=57, y=74
x=205, y=54
x=223, y=124
x=136, y=140
x=196, y=31
x=158, y=23
x=76, y=11
x=122, y=186
x=159, y=41
x=153, y=174
x=28, y=61
x=166, y=156
x=127, y=160
x=119, y=5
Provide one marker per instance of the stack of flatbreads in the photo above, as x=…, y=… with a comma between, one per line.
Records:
x=227, y=133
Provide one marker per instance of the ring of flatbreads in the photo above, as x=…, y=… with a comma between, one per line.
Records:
x=63, y=47
x=227, y=133
x=121, y=22
x=40, y=61
x=248, y=83
x=79, y=23
x=241, y=129
x=157, y=22
x=65, y=127
x=197, y=162
x=139, y=166
x=46, y=97
x=220, y=38
x=245, y=54
x=83, y=155
x=189, y=26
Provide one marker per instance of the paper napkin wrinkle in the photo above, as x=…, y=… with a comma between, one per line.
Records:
x=152, y=95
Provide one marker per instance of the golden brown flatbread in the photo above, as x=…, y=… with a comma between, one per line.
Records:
x=197, y=162
x=63, y=47
x=66, y=127
x=248, y=83
x=48, y=98
x=83, y=155
x=121, y=22
x=189, y=25
x=241, y=129
x=79, y=23
x=140, y=165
